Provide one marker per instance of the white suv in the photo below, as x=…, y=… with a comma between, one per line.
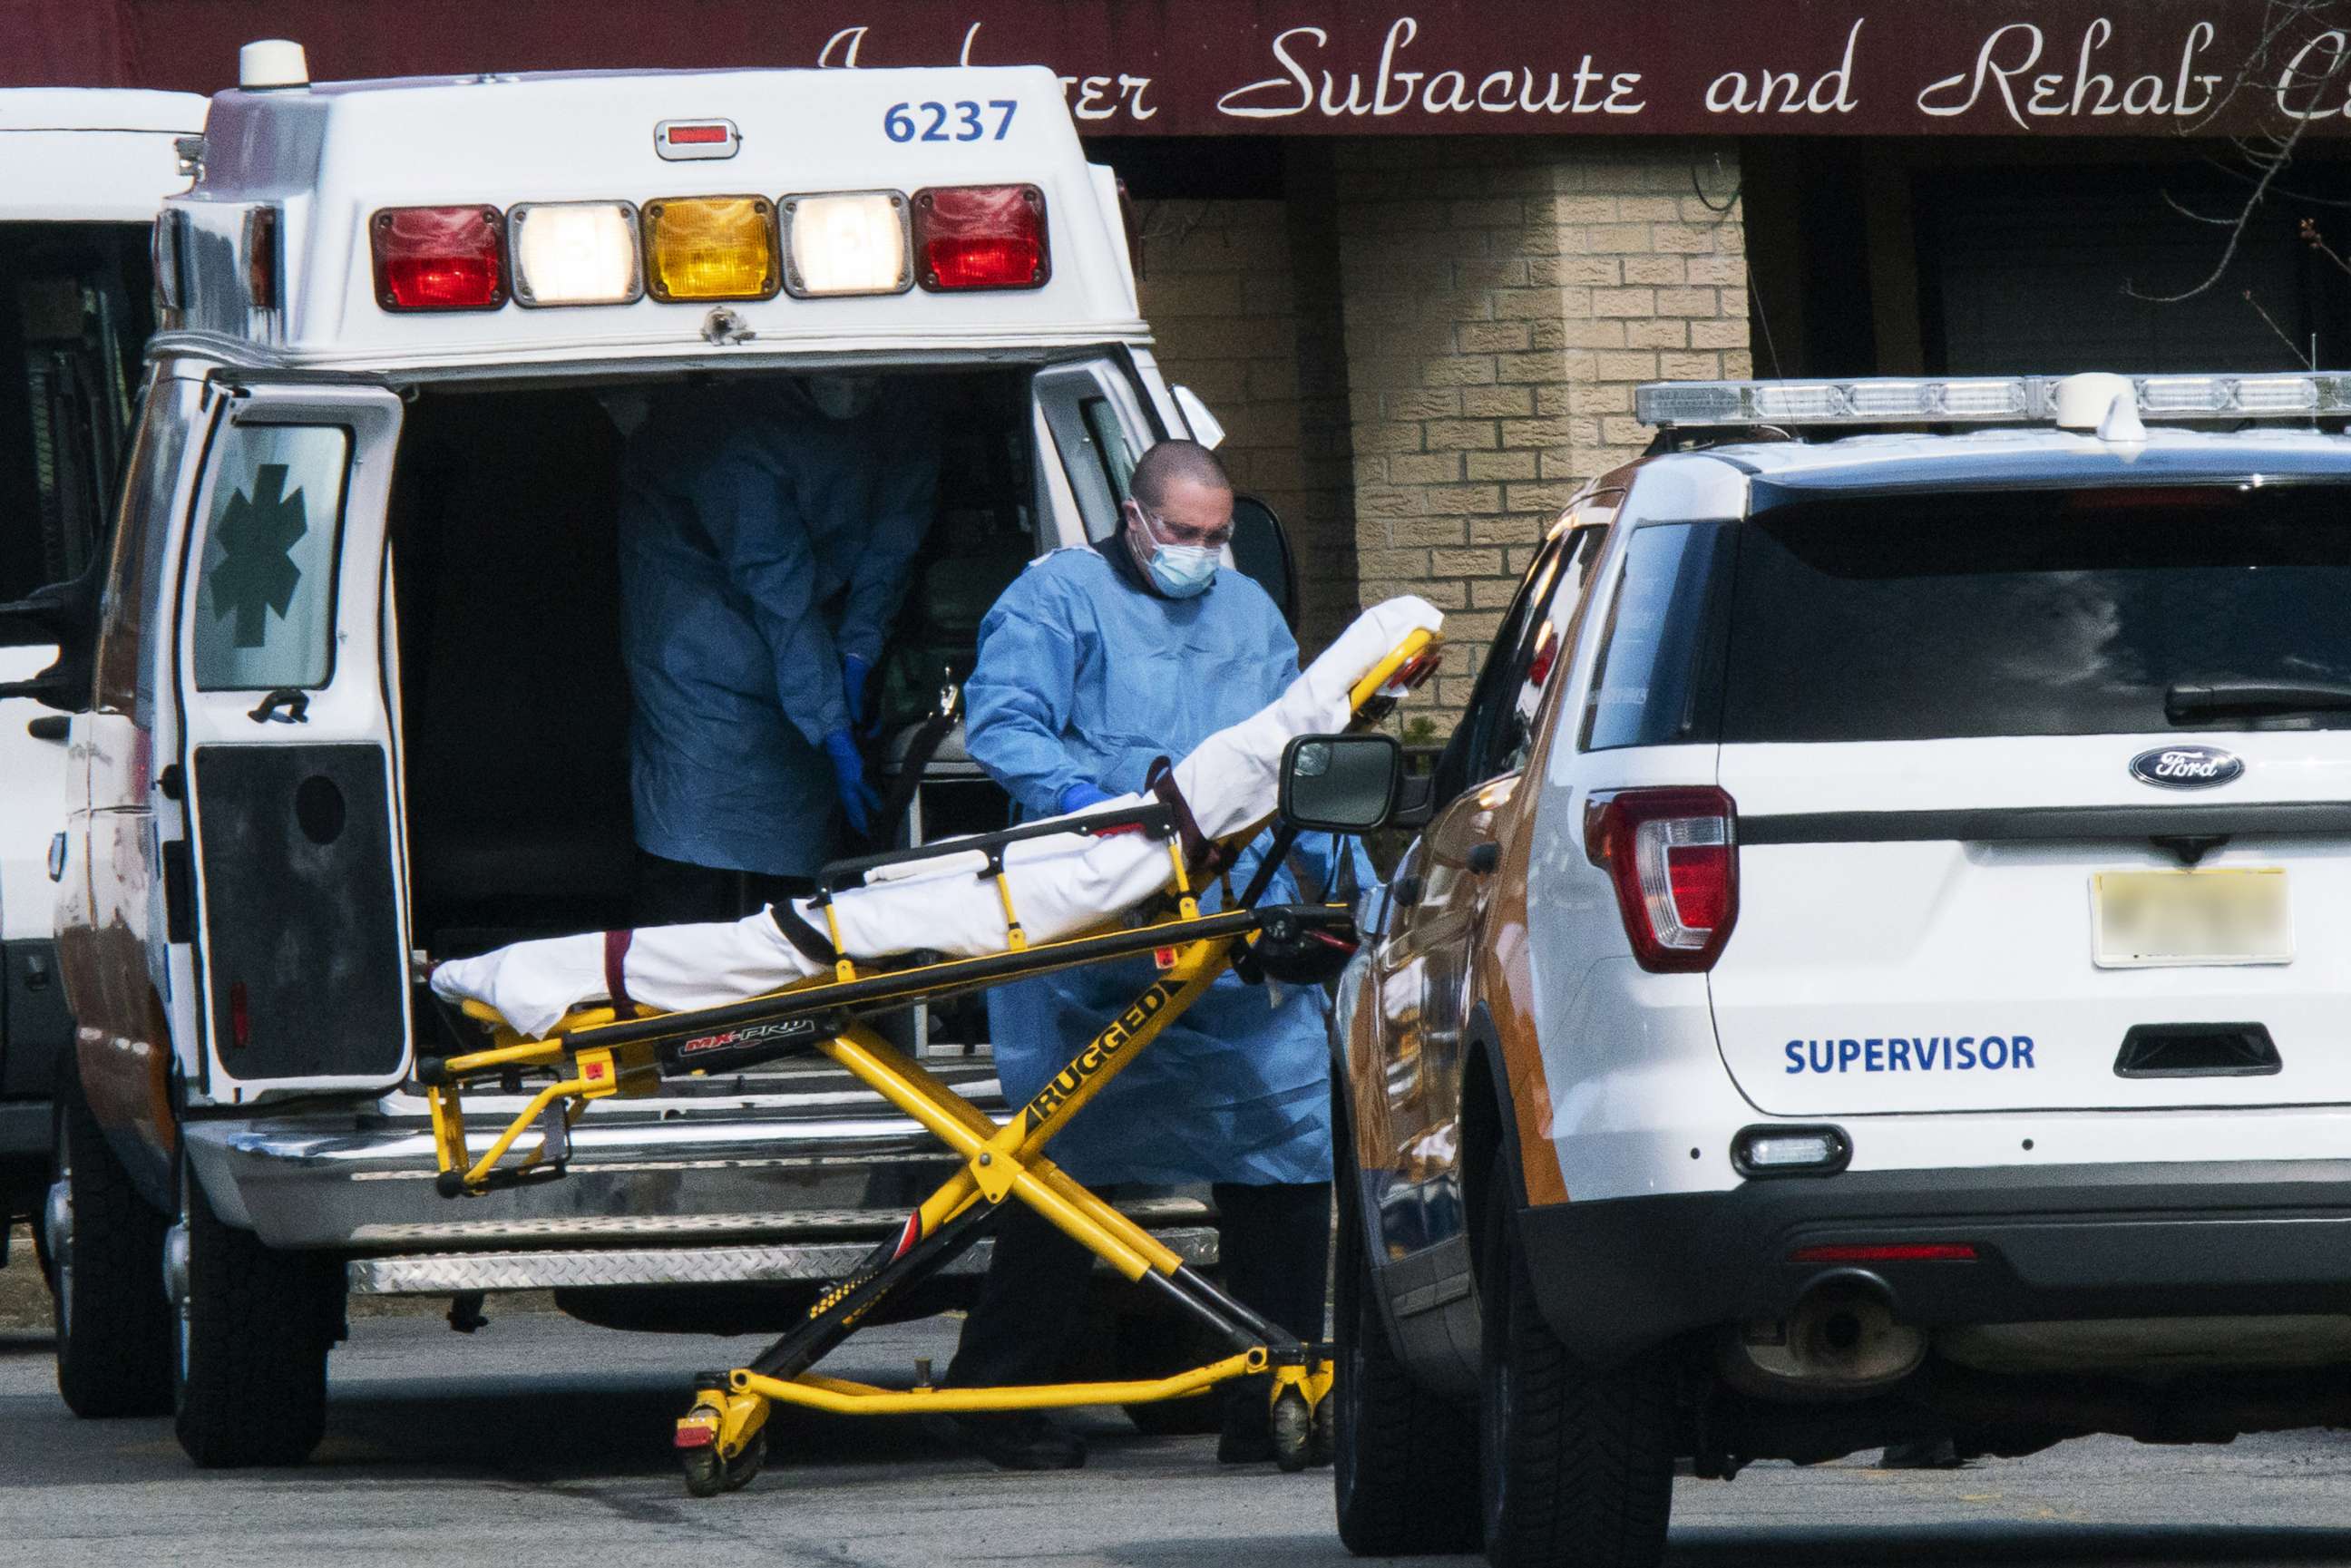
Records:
x=1875, y=965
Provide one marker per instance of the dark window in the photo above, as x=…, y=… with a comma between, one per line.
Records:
x=1658, y=683
x=2036, y=612
x=73, y=317
x=128, y=618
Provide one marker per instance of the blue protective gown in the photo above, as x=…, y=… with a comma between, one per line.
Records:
x=760, y=542
x=1086, y=673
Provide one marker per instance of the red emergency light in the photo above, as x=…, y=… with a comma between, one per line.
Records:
x=981, y=236
x=439, y=259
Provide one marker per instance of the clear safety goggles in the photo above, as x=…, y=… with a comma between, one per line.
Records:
x=1164, y=532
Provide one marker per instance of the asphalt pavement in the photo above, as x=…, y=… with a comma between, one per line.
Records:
x=540, y=1441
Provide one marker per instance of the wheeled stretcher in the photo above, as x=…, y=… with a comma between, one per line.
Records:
x=613, y=1045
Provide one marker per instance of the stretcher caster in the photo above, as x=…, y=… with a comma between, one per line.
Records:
x=1324, y=1441
x=1293, y=1431
x=707, y=1475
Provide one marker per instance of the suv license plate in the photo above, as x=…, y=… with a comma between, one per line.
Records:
x=2148, y=919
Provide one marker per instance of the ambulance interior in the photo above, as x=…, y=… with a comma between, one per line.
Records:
x=513, y=699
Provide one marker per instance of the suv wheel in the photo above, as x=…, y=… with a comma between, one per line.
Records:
x=255, y=1325
x=1405, y=1461
x=105, y=1249
x=1576, y=1466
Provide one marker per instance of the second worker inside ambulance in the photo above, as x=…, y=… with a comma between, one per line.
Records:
x=1097, y=661
x=767, y=535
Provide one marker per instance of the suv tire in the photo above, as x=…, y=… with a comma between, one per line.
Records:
x=1576, y=1466
x=106, y=1274
x=1405, y=1461
x=253, y=1335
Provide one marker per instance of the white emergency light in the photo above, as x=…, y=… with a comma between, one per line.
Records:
x=574, y=253
x=267, y=65
x=850, y=243
x=1989, y=399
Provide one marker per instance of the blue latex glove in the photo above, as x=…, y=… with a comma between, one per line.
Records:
x=858, y=800
x=855, y=674
x=1080, y=796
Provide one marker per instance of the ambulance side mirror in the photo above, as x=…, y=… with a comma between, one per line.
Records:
x=1261, y=552
x=63, y=615
x=1340, y=783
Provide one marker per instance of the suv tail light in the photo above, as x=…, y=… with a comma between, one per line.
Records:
x=1674, y=856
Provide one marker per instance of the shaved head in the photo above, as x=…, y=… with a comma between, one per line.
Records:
x=1163, y=464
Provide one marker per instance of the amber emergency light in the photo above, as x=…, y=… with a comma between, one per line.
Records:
x=711, y=248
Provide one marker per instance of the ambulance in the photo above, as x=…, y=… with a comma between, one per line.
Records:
x=82, y=171
x=357, y=701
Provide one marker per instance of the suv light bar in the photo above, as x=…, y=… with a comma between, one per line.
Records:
x=1981, y=399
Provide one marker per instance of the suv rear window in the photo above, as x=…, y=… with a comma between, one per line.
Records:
x=2032, y=612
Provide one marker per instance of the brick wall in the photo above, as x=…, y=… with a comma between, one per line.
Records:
x=1502, y=297
x=1221, y=288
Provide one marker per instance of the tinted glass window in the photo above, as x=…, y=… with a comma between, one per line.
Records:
x=1658, y=680
x=1554, y=636
x=265, y=601
x=127, y=618
x=2049, y=612
x=1110, y=442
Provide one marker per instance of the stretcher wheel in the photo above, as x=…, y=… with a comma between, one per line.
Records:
x=707, y=1475
x=1293, y=1431
x=1324, y=1441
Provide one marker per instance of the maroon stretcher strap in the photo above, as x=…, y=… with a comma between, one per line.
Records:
x=1159, y=780
x=616, y=980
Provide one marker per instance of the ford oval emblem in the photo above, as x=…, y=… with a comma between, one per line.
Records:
x=2186, y=767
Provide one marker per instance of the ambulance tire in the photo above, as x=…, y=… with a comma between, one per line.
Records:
x=1576, y=1466
x=1404, y=1461
x=106, y=1275
x=253, y=1339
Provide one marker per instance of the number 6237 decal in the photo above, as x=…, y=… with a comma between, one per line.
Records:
x=962, y=121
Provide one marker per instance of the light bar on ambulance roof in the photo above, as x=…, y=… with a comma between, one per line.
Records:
x=846, y=243
x=574, y=253
x=711, y=248
x=1981, y=399
x=981, y=236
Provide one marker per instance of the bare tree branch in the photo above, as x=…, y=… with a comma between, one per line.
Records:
x=2265, y=156
x=2300, y=357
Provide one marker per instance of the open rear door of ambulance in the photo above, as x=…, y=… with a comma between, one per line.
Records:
x=288, y=748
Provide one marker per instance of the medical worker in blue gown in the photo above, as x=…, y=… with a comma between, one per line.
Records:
x=1093, y=663
x=766, y=535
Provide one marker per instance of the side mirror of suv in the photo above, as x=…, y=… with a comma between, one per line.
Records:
x=64, y=614
x=1261, y=551
x=1340, y=783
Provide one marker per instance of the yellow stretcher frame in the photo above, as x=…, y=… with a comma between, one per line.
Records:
x=595, y=1054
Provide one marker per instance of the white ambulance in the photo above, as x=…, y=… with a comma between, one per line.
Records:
x=358, y=698
x=81, y=173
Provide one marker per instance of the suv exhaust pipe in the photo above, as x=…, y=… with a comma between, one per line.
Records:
x=1841, y=1339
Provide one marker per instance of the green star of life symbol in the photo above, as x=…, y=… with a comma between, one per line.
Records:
x=256, y=573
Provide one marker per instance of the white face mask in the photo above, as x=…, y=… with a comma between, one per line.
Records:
x=844, y=397
x=1180, y=570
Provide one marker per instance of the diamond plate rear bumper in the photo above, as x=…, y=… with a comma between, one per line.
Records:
x=810, y=1157
x=446, y=1274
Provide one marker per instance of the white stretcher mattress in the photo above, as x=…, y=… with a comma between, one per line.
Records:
x=1062, y=884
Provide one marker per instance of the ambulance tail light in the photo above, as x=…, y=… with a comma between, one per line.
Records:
x=1673, y=855
x=711, y=248
x=261, y=259
x=574, y=253
x=981, y=236
x=439, y=259
x=846, y=243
